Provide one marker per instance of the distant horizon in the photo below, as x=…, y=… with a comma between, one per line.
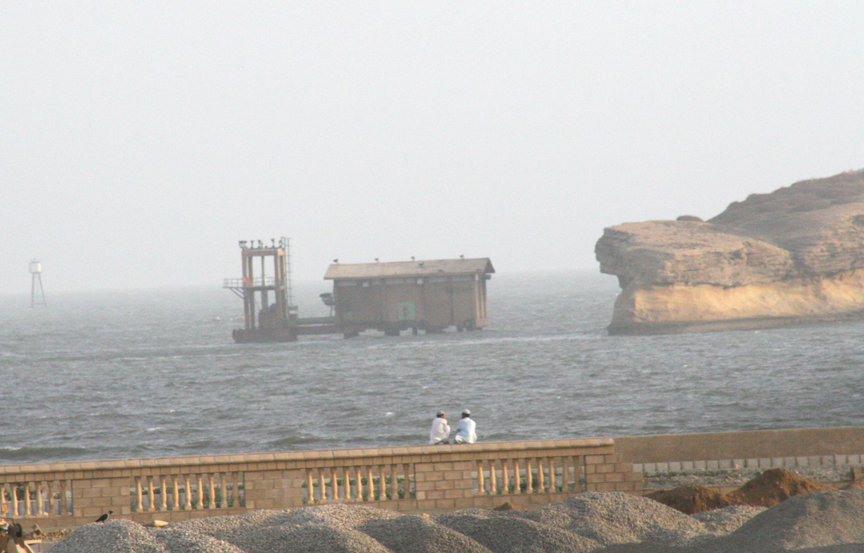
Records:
x=142, y=141
x=303, y=283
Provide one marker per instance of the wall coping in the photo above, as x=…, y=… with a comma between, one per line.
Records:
x=301, y=456
x=744, y=444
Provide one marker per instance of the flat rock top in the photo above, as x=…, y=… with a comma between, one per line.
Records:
x=809, y=229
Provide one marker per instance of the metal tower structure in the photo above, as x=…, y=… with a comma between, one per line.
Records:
x=267, y=318
x=36, y=273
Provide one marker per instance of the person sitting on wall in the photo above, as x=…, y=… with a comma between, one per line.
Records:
x=466, y=429
x=440, y=432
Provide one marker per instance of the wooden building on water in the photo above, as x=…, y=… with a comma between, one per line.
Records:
x=429, y=295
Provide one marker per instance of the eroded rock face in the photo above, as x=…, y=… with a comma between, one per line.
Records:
x=794, y=255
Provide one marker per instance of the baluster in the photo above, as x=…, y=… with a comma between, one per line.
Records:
x=310, y=487
x=481, y=481
x=187, y=495
x=322, y=483
x=138, y=495
x=370, y=484
x=541, y=481
x=552, y=476
x=163, y=493
x=175, y=495
x=27, y=505
x=40, y=502
x=348, y=490
x=334, y=482
x=382, y=484
x=406, y=481
x=151, y=494
x=529, y=476
x=517, y=477
x=211, y=488
x=505, y=468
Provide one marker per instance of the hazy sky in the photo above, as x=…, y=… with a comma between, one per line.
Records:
x=139, y=141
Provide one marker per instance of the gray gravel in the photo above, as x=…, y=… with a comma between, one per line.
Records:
x=114, y=536
x=823, y=522
x=728, y=519
x=505, y=533
x=619, y=517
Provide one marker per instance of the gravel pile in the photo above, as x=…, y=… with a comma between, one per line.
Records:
x=824, y=521
x=618, y=517
x=727, y=519
x=114, y=536
x=503, y=533
x=819, y=522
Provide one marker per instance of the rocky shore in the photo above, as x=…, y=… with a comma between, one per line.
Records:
x=788, y=257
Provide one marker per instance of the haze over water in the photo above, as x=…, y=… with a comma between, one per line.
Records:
x=151, y=374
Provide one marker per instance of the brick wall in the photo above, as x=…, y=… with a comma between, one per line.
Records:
x=408, y=479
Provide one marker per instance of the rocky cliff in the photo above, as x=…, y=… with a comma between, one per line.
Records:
x=794, y=255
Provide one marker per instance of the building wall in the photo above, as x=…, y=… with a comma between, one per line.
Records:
x=434, y=302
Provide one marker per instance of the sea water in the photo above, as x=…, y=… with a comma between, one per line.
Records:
x=155, y=373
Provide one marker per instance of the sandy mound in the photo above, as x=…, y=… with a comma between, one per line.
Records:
x=727, y=519
x=182, y=541
x=309, y=538
x=814, y=520
x=507, y=506
x=512, y=534
x=114, y=536
x=771, y=487
x=419, y=534
x=820, y=522
x=617, y=517
x=691, y=499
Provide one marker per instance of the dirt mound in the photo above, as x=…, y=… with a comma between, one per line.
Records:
x=691, y=499
x=771, y=487
x=507, y=506
x=854, y=485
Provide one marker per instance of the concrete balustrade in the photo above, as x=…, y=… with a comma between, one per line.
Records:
x=408, y=479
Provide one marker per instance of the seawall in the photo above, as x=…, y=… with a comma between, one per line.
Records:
x=407, y=479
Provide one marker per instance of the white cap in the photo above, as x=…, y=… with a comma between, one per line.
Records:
x=466, y=412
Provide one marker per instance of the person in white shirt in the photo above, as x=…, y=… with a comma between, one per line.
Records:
x=440, y=432
x=466, y=429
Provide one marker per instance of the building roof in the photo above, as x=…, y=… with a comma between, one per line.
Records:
x=428, y=267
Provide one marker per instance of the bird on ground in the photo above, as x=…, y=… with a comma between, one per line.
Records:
x=104, y=517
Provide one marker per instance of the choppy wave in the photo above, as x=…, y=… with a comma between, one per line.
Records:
x=168, y=381
x=41, y=454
